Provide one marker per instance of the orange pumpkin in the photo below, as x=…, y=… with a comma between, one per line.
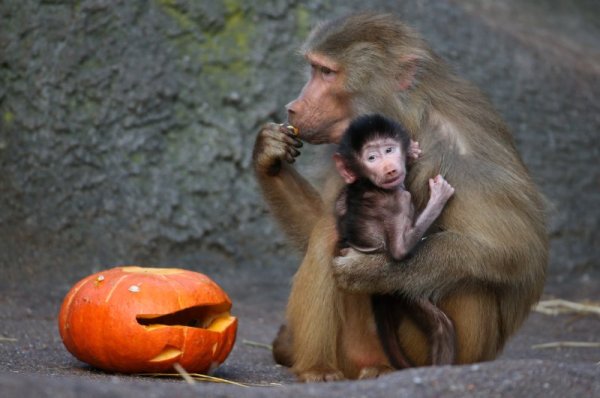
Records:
x=136, y=320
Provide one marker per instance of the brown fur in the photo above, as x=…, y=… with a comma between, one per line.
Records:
x=486, y=265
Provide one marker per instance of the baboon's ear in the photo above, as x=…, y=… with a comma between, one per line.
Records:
x=347, y=174
x=409, y=70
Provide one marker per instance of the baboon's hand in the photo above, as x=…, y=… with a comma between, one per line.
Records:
x=414, y=152
x=352, y=273
x=440, y=189
x=274, y=144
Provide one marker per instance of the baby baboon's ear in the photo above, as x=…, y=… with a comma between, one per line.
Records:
x=346, y=172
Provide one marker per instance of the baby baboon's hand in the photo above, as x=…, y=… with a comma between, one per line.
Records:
x=414, y=152
x=441, y=190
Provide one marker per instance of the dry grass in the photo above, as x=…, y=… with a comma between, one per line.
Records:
x=556, y=307
x=192, y=378
x=257, y=344
x=560, y=306
x=566, y=344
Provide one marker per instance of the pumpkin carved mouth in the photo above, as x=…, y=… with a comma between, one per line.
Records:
x=210, y=317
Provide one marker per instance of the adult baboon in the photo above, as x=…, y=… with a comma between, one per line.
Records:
x=483, y=264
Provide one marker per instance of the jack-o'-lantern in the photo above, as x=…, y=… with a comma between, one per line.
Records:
x=136, y=320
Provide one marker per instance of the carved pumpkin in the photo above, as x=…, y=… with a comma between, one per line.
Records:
x=135, y=320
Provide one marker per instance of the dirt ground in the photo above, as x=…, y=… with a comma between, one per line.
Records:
x=33, y=361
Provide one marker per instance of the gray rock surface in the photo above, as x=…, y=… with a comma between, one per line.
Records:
x=126, y=130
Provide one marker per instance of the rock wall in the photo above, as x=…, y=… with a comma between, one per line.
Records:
x=126, y=127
